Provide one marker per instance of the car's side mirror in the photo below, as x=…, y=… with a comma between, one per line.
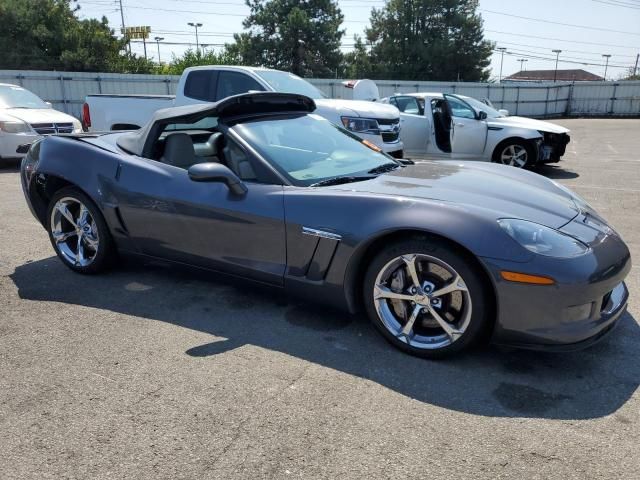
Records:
x=482, y=115
x=216, y=172
x=49, y=105
x=504, y=112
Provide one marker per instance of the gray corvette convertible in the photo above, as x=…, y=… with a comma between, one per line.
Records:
x=440, y=255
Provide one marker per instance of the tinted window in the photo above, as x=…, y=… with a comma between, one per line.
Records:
x=479, y=106
x=200, y=85
x=235, y=83
x=460, y=109
x=407, y=105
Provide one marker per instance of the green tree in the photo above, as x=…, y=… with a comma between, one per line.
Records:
x=193, y=58
x=47, y=35
x=300, y=36
x=631, y=74
x=357, y=63
x=429, y=40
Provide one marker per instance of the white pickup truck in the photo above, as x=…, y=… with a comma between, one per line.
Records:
x=375, y=122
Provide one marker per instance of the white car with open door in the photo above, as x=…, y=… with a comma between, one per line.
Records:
x=446, y=126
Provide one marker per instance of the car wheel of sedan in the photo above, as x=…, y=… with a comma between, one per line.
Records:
x=78, y=232
x=515, y=154
x=426, y=298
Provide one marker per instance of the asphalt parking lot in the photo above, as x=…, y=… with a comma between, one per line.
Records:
x=154, y=372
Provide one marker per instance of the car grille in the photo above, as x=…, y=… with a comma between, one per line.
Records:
x=52, y=128
x=389, y=129
x=390, y=137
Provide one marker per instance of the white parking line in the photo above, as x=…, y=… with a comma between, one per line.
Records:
x=607, y=188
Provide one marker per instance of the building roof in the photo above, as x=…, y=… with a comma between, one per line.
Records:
x=577, y=75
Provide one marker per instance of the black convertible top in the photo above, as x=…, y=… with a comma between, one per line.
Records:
x=237, y=105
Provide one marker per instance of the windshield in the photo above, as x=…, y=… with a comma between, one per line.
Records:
x=285, y=82
x=478, y=105
x=308, y=149
x=13, y=96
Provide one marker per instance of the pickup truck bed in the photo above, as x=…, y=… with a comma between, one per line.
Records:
x=124, y=112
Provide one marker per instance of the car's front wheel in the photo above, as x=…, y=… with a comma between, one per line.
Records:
x=514, y=153
x=426, y=298
x=78, y=232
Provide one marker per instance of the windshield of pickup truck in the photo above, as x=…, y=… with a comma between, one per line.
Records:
x=13, y=96
x=310, y=150
x=289, y=83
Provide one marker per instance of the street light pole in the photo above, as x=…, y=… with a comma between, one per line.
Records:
x=196, y=26
x=158, y=40
x=606, y=66
x=522, y=60
x=555, y=73
x=502, y=50
x=123, y=27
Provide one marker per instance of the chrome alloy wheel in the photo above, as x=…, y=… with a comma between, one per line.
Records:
x=422, y=301
x=514, y=155
x=74, y=231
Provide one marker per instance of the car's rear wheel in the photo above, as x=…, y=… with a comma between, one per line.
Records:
x=515, y=154
x=426, y=298
x=78, y=232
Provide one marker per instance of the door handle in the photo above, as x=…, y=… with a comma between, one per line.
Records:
x=459, y=124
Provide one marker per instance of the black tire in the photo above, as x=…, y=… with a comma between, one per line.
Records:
x=105, y=254
x=480, y=295
x=517, y=144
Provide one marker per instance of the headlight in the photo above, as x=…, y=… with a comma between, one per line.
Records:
x=361, y=125
x=542, y=240
x=14, y=126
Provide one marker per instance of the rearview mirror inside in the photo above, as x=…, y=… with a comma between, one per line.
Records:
x=216, y=172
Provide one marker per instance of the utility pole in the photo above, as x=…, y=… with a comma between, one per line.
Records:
x=635, y=69
x=196, y=26
x=123, y=29
x=555, y=73
x=158, y=40
x=502, y=50
x=606, y=66
x=522, y=60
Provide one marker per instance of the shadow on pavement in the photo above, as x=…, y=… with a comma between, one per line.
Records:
x=555, y=172
x=490, y=382
x=9, y=165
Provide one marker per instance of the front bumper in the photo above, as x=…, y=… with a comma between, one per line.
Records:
x=553, y=147
x=9, y=143
x=589, y=296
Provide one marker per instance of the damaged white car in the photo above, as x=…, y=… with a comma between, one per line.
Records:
x=444, y=126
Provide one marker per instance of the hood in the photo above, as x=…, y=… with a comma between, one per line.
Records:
x=40, y=115
x=506, y=192
x=359, y=108
x=523, y=122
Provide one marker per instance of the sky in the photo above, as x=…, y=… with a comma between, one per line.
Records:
x=529, y=29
